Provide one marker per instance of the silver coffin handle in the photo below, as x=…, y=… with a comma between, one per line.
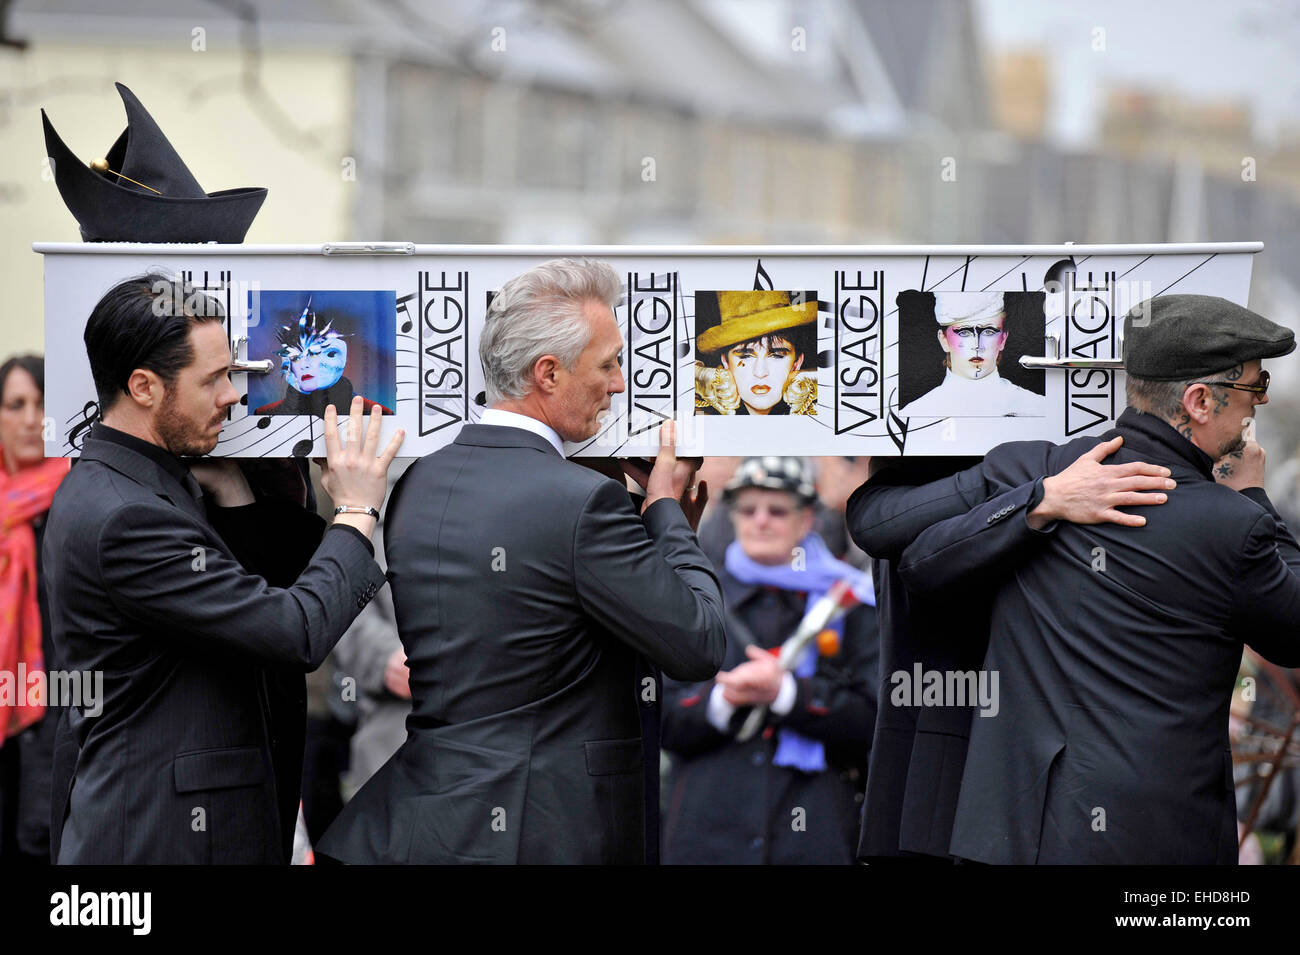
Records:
x=368, y=248
x=1053, y=360
x=256, y=366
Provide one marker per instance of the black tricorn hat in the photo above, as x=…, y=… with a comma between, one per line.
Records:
x=110, y=208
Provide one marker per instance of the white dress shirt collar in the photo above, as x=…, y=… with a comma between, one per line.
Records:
x=512, y=419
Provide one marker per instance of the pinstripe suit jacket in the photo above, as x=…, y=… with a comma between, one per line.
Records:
x=195, y=754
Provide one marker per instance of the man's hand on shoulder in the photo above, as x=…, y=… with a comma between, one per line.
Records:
x=1087, y=492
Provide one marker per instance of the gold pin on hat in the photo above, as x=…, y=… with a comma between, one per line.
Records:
x=101, y=166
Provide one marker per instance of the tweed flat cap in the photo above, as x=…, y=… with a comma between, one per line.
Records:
x=1176, y=337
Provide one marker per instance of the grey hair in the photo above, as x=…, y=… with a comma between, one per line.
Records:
x=540, y=312
x=1164, y=399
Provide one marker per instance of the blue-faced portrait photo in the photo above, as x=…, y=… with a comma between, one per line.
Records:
x=327, y=346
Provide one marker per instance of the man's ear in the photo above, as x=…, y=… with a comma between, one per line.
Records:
x=943, y=341
x=545, y=374
x=1196, y=403
x=145, y=388
x=798, y=363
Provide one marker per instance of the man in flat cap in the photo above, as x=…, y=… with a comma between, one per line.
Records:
x=972, y=333
x=1116, y=637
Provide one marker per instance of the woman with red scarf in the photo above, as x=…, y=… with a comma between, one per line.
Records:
x=27, y=483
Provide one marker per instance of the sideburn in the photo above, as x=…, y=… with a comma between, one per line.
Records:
x=177, y=437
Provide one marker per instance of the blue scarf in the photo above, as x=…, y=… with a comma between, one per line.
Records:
x=815, y=574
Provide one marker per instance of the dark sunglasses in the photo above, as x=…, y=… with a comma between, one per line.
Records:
x=1260, y=386
x=777, y=511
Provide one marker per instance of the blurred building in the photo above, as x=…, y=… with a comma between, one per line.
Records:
x=1282, y=162
x=1020, y=93
x=1142, y=124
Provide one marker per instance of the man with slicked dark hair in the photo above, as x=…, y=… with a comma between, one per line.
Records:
x=191, y=750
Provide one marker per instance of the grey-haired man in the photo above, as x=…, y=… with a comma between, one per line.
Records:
x=530, y=597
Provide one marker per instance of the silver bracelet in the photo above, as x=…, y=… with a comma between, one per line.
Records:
x=356, y=509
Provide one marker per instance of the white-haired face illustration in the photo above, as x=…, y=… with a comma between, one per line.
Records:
x=971, y=349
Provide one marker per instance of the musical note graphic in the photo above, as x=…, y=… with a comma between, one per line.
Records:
x=232, y=442
x=303, y=447
x=406, y=313
x=897, y=428
x=89, y=415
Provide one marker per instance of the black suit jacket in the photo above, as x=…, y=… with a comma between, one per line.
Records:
x=526, y=589
x=1116, y=650
x=196, y=753
x=918, y=753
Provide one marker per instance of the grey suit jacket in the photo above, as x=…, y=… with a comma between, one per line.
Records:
x=185, y=762
x=526, y=587
x=363, y=655
x=918, y=753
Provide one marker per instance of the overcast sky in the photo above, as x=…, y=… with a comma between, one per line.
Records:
x=1247, y=50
